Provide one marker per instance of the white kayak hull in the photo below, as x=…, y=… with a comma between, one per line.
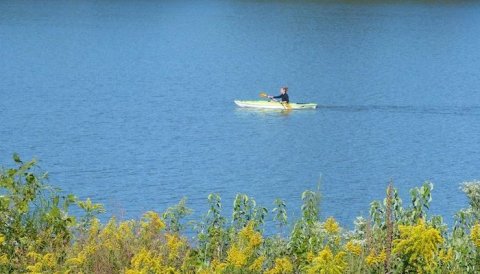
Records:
x=262, y=104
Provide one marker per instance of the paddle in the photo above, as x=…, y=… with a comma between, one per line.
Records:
x=264, y=95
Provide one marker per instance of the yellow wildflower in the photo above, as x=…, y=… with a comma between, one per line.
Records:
x=215, y=267
x=115, y=236
x=331, y=226
x=256, y=239
x=91, y=249
x=219, y=268
x=2, y=239
x=325, y=262
x=353, y=247
x=76, y=261
x=170, y=270
x=174, y=245
x=419, y=244
x=49, y=260
x=34, y=255
x=244, y=247
x=152, y=220
x=250, y=236
x=45, y=263
x=3, y=259
x=257, y=264
x=94, y=228
x=310, y=256
x=125, y=229
x=282, y=266
x=215, y=262
x=81, y=258
x=475, y=235
x=446, y=256
x=373, y=259
x=145, y=262
x=236, y=257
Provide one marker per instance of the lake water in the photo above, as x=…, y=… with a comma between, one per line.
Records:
x=131, y=102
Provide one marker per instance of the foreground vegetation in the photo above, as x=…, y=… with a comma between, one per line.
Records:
x=39, y=235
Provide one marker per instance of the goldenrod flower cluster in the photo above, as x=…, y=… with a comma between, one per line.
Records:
x=42, y=263
x=242, y=251
x=282, y=266
x=236, y=256
x=446, y=256
x=174, y=246
x=3, y=257
x=326, y=262
x=420, y=245
x=353, y=247
x=331, y=226
x=375, y=259
x=257, y=264
x=475, y=235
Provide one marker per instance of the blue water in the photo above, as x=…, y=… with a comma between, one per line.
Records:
x=130, y=103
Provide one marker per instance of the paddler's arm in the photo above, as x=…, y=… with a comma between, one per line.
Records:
x=273, y=98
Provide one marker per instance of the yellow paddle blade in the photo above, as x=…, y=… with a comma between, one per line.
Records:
x=263, y=94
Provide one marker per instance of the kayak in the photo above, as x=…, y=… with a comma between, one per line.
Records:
x=274, y=105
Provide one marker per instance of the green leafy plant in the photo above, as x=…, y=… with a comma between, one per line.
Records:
x=39, y=235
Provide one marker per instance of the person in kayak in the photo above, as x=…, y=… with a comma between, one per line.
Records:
x=283, y=95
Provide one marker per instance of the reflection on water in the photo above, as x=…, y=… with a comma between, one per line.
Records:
x=263, y=112
x=270, y=112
